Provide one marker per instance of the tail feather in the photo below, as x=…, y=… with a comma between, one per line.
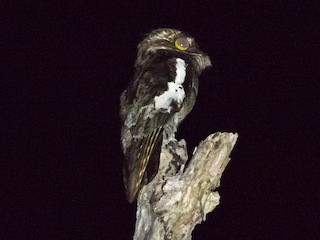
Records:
x=147, y=157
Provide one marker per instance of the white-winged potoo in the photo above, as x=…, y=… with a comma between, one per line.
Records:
x=161, y=95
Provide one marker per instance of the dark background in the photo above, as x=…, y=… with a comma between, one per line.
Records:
x=63, y=68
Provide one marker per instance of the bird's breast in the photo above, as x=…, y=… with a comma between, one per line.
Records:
x=175, y=93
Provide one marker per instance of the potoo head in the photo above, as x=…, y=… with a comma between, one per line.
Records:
x=164, y=43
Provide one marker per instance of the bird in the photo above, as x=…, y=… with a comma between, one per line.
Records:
x=161, y=95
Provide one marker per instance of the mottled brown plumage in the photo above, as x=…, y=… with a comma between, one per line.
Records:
x=160, y=97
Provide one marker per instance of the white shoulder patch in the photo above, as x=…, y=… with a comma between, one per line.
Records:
x=180, y=71
x=175, y=90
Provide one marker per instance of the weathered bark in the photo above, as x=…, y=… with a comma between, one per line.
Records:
x=180, y=196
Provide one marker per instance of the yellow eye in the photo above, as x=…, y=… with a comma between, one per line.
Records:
x=182, y=43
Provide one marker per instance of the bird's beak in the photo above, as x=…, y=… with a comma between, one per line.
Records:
x=201, y=58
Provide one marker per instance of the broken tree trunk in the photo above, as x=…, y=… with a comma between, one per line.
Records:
x=181, y=196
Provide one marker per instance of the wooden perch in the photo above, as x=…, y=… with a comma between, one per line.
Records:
x=181, y=196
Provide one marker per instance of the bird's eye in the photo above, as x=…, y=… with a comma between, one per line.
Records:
x=182, y=43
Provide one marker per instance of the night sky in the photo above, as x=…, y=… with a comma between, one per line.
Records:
x=64, y=68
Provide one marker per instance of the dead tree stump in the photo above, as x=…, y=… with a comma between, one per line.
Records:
x=182, y=194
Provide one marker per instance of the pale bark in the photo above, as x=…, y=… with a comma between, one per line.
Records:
x=181, y=196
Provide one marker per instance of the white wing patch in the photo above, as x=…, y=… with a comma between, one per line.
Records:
x=175, y=90
x=180, y=71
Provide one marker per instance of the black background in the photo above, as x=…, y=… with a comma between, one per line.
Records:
x=64, y=67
